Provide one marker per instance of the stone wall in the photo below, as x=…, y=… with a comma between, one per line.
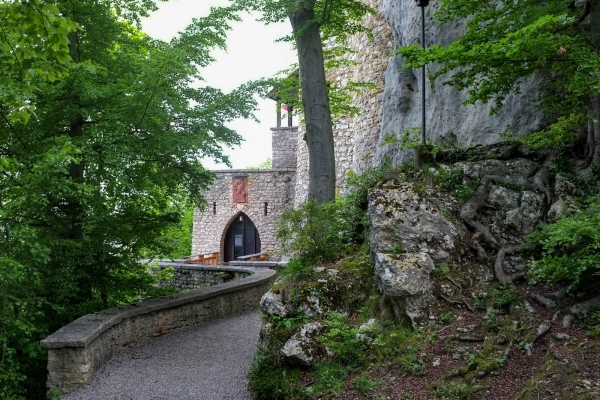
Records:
x=285, y=146
x=78, y=350
x=189, y=277
x=356, y=137
x=271, y=188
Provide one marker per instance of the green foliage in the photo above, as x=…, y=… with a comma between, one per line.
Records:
x=267, y=164
x=320, y=233
x=341, y=338
x=569, y=248
x=455, y=182
x=298, y=269
x=34, y=48
x=409, y=362
x=501, y=296
x=397, y=342
x=310, y=232
x=355, y=203
x=270, y=381
x=510, y=41
x=446, y=318
x=455, y=390
x=592, y=323
x=336, y=21
x=560, y=134
x=289, y=322
x=410, y=138
x=330, y=378
x=104, y=173
x=364, y=384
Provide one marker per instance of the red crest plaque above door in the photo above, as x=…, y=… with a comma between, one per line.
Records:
x=240, y=190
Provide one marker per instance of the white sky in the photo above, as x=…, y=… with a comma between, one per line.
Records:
x=251, y=54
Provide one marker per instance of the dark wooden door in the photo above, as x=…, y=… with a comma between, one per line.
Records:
x=241, y=238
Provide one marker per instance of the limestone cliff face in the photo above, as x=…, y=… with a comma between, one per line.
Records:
x=394, y=104
x=401, y=102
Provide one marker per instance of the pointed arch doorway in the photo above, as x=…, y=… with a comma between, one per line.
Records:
x=241, y=238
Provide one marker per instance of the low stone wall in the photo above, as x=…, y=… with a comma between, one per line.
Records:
x=259, y=264
x=190, y=276
x=78, y=350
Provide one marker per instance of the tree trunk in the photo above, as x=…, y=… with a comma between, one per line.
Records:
x=317, y=115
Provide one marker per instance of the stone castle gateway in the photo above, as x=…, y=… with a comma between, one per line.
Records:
x=243, y=205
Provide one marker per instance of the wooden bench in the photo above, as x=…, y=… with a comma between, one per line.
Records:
x=254, y=257
x=210, y=259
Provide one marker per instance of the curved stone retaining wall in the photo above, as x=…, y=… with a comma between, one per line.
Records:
x=190, y=276
x=78, y=350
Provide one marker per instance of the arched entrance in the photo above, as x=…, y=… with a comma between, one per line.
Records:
x=241, y=238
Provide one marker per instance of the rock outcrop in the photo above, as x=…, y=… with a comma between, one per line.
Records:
x=302, y=348
x=409, y=237
x=446, y=116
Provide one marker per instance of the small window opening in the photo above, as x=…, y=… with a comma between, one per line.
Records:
x=214, y=207
x=266, y=208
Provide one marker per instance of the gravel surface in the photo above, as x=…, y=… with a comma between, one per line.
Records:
x=208, y=362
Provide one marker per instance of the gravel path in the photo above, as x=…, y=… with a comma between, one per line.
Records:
x=206, y=362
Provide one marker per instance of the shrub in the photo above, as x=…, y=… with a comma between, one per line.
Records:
x=570, y=249
x=455, y=182
x=320, y=233
x=270, y=381
x=342, y=339
x=311, y=232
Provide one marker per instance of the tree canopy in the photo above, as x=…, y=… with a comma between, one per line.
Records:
x=33, y=48
x=108, y=162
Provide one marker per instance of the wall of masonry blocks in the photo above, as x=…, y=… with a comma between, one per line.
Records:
x=274, y=186
x=190, y=277
x=356, y=138
x=285, y=147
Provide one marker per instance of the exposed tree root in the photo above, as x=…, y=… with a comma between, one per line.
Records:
x=540, y=181
x=546, y=302
x=472, y=206
x=502, y=276
x=582, y=309
x=468, y=305
x=468, y=212
x=480, y=253
x=542, y=330
x=462, y=302
x=450, y=300
x=470, y=339
x=454, y=283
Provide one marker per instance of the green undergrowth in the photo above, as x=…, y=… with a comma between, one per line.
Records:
x=348, y=301
x=332, y=266
x=568, y=251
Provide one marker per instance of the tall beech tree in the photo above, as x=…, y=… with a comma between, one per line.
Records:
x=315, y=22
x=108, y=162
x=506, y=42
